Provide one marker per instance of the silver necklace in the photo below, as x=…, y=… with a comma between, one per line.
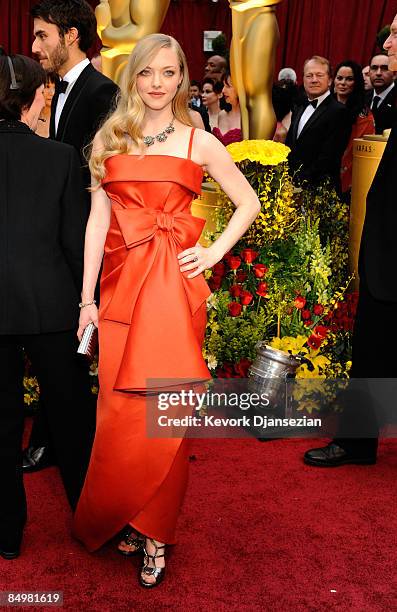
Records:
x=162, y=136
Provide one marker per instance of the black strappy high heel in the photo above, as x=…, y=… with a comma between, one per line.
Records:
x=157, y=572
x=131, y=538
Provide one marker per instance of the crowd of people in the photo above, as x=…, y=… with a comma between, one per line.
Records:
x=124, y=217
x=321, y=142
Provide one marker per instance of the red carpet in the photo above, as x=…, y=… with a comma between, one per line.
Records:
x=259, y=531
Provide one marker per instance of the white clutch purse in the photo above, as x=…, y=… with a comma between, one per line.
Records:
x=89, y=341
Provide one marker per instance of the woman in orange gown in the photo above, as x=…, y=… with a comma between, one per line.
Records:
x=153, y=295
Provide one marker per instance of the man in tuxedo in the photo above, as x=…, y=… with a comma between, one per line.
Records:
x=383, y=98
x=320, y=128
x=375, y=331
x=63, y=32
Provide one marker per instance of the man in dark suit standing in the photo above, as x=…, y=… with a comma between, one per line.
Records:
x=63, y=32
x=375, y=331
x=320, y=128
x=42, y=225
x=382, y=100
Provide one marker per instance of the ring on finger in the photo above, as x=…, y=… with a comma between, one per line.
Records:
x=195, y=258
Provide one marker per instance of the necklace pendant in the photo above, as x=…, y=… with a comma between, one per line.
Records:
x=162, y=137
x=148, y=140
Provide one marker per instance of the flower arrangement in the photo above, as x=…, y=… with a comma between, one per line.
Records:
x=285, y=282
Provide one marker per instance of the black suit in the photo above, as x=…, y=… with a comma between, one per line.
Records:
x=88, y=103
x=385, y=115
x=375, y=331
x=317, y=152
x=42, y=224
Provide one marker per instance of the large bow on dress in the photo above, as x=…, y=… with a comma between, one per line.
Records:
x=142, y=225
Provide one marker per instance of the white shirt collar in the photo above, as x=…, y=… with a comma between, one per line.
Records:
x=322, y=98
x=75, y=72
x=384, y=93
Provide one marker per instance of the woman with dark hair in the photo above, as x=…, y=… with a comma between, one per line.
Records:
x=211, y=95
x=349, y=89
x=43, y=126
x=229, y=122
x=42, y=228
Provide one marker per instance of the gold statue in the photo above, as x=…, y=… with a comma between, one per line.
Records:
x=120, y=24
x=252, y=59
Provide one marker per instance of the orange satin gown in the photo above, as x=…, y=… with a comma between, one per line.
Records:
x=151, y=326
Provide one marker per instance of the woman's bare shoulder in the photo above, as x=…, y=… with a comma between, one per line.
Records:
x=97, y=143
x=205, y=147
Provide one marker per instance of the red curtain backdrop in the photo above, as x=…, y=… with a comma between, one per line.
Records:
x=338, y=29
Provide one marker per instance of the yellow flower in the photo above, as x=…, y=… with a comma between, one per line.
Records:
x=266, y=152
x=288, y=343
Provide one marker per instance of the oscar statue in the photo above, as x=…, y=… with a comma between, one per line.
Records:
x=252, y=59
x=121, y=23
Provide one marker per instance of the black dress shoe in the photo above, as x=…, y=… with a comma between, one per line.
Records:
x=334, y=455
x=35, y=459
x=9, y=554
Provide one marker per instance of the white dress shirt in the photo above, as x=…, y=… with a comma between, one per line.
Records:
x=71, y=77
x=308, y=112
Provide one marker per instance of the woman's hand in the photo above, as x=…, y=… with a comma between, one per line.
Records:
x=198, y=259
x=88, y=314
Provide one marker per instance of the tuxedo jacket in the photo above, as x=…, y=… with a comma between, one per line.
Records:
x=386, y=114
x=317, y=152
x=42, y=225
x=378, y=251
x=89, y=102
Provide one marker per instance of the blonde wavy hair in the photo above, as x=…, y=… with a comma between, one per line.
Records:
x=123, y=127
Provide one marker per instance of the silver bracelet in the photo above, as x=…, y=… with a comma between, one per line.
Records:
x=84, y=304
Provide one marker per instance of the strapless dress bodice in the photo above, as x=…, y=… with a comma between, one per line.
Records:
x=142, y=285
x=130, y=180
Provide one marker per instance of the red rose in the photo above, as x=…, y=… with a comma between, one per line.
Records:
x=306, y=313
x=234, y=262
x=242, y=367
x=299, y=302
x=259, y=270
x=235, y=290
x=314, y=341
x=219, y=269
x=321, y=331
x=241, y=276
x=215, y=282
x=226, y=371
x=249, y=255
x=308, y=323
x=261, y=290
x=246, y=297
x=234, y=309
x=318, y=309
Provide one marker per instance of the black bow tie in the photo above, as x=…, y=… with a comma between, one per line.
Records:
x=61, y=86
x=312, y=103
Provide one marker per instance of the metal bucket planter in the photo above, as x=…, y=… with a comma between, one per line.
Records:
x=269, y=373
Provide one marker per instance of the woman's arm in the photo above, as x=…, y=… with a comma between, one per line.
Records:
x=211, y=154
x=95, y=236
